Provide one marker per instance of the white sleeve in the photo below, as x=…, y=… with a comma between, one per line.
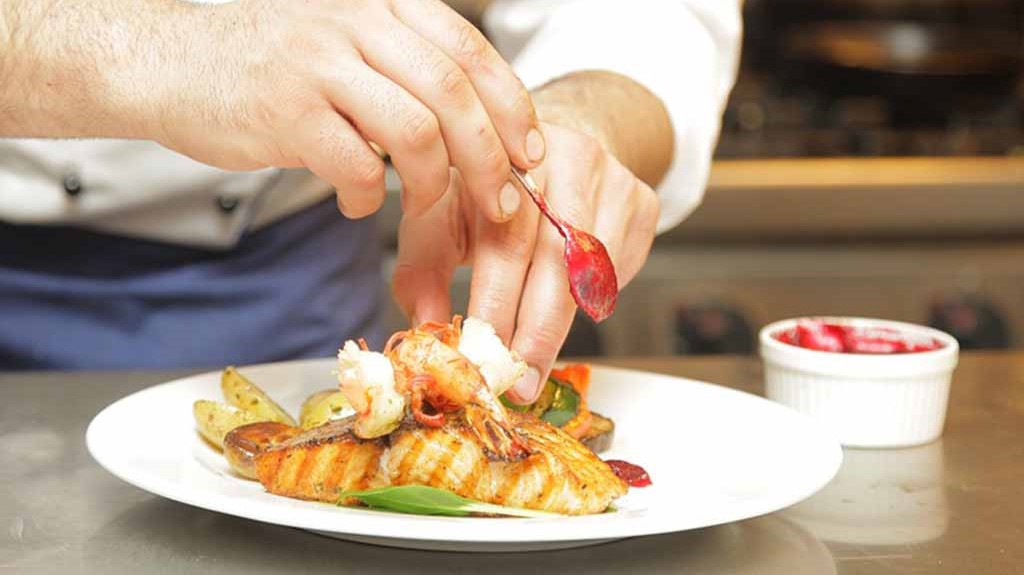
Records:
x=684, y=51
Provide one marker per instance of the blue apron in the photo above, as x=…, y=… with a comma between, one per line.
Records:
x=74, y=299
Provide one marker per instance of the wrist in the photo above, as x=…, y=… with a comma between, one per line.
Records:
x=626, y=118
x=572, y=101
x=203, y=61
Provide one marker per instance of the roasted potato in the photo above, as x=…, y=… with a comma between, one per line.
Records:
x=322, y=407
x=243, y=444
x=246, y=395
x=215, y=419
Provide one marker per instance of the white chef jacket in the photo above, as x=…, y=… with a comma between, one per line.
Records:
x=685, y=51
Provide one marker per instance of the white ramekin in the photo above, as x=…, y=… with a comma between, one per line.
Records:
x=893, y=400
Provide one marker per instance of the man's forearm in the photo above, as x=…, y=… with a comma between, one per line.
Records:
x=73, y=68
x=630, y=121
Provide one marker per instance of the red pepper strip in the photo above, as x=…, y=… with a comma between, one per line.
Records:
x=575, y=374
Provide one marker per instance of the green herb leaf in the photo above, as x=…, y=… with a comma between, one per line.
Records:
x=423, y=500
x=564, y=405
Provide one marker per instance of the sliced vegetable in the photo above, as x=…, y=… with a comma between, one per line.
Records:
x=423, y=500
x=601, y=433
x=578, y=377
x=579, y=426
x=564, y=406
x=538, y=407
x=547, y=395
x=575, y=374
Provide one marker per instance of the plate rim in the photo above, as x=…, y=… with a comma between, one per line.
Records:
x=381, y=524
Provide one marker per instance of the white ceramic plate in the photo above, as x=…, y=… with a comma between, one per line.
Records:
x=715, y=455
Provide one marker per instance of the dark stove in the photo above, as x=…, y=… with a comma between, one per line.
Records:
x=763, y=120
x=783, y=107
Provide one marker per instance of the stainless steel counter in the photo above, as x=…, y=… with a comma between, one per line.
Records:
x=954, y=506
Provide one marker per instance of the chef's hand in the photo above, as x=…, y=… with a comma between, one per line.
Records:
x=308, y=84
x=519, y=281
x=609, y=138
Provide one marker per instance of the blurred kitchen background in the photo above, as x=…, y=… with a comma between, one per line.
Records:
x=871, y=163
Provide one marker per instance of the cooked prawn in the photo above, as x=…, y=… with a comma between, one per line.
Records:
x=434, y=372
x=500, y=366
x=367, y=380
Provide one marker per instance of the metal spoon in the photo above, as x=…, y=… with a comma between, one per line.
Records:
x=592, y=279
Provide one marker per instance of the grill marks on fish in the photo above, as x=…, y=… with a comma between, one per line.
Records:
x=321, y=472
x=404, y=458
x=447, y=452
x=446, y=458
x=319, y=463
x=561, y=475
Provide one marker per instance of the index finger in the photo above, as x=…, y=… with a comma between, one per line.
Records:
x=500, y=91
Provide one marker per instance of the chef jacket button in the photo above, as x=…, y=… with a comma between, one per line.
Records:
x=72, y=185
x=227, y=204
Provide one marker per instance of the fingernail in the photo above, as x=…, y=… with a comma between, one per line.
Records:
x=535, y=146
x=527, y=389
x=508, y=200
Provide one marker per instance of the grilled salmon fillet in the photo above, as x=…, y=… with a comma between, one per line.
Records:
x=560, y=475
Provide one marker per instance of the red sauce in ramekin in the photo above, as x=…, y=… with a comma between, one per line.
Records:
x=832, y=337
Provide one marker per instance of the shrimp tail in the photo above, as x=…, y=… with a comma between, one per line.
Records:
x=419, y=386
x=499, y=441
x=395, y=339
